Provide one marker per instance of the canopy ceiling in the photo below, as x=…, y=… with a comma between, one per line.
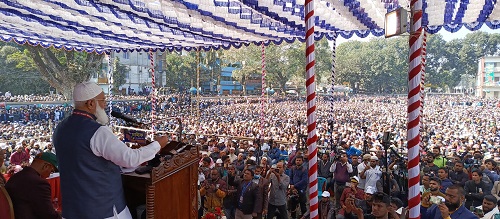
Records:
x=99, y=25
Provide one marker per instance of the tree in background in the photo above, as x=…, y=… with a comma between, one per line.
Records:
x=213, y=67
x=64, y=69
x=248, y=60
x=180, y=69
x=381, y=65
x=18, y=74
x=120, y=73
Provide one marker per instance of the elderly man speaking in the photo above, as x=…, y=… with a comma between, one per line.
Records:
x=90, y=157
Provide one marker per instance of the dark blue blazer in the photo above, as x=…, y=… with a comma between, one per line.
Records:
x=434, y=213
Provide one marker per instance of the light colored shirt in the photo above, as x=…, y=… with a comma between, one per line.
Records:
x=491, y=214
x=277, y=191
x=362, y=182
x=105, y=144
x=372, y=176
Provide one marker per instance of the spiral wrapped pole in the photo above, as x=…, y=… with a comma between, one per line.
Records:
x=263, y=93
x=153, y=93
x=311, y=110
x=414, y=105
x=334, y=57
x=110, y=82
x=422, y=83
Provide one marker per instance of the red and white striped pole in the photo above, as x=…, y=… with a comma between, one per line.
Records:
x=153, y=94
x=262, y=97
x=311, y=111
x=414, y=105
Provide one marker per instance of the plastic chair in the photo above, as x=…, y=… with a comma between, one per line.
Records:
x=321, y=186
x=6, y=208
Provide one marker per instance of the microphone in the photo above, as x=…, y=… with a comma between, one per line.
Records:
x=125, y=118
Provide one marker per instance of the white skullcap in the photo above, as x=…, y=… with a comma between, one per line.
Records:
x=219, y=161
x=253, y=158
x=86, y=91
x=3, y=145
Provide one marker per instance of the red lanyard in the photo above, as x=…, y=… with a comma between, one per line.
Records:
x=82, y=114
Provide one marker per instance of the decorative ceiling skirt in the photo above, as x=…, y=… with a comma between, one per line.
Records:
x=104, y=25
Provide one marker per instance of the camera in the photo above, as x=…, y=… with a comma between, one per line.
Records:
x=436, y=200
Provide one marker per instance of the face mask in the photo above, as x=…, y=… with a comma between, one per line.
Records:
x=256, y=176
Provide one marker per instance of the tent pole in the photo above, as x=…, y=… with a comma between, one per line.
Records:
x=312, y=138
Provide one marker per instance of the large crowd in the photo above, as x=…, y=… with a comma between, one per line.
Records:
x=460, y=146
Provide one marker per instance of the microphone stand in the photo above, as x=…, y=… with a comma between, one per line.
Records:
x=386, y=140
x=298, y=134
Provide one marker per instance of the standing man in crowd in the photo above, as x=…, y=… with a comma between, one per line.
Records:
x=249, y=202
x=90, y=157
x=263, y=186
x=372, y=173
x=341, y=170
x=324, y=169
x=277, y=192
x=361, y=167
x=350, y=150
x=298, y=181
x=214, y=189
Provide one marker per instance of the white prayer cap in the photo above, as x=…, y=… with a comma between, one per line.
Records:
x=86, y=91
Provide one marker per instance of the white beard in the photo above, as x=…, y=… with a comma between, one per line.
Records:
x=102, y=117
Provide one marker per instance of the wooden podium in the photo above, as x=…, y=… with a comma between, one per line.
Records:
x=170, y=191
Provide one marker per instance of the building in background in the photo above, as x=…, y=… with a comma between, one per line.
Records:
x=138, y=79
x=488, y=77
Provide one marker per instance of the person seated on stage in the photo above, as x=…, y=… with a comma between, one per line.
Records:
x=29, y=190
x=19, y=157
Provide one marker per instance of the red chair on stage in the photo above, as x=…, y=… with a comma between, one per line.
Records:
x=6, y=208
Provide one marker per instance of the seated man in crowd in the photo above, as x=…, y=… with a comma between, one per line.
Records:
x=476, y=189
x=381, y=208
x=30, y=191
x=435, y=193
x=488, y=209
x=452, y=208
